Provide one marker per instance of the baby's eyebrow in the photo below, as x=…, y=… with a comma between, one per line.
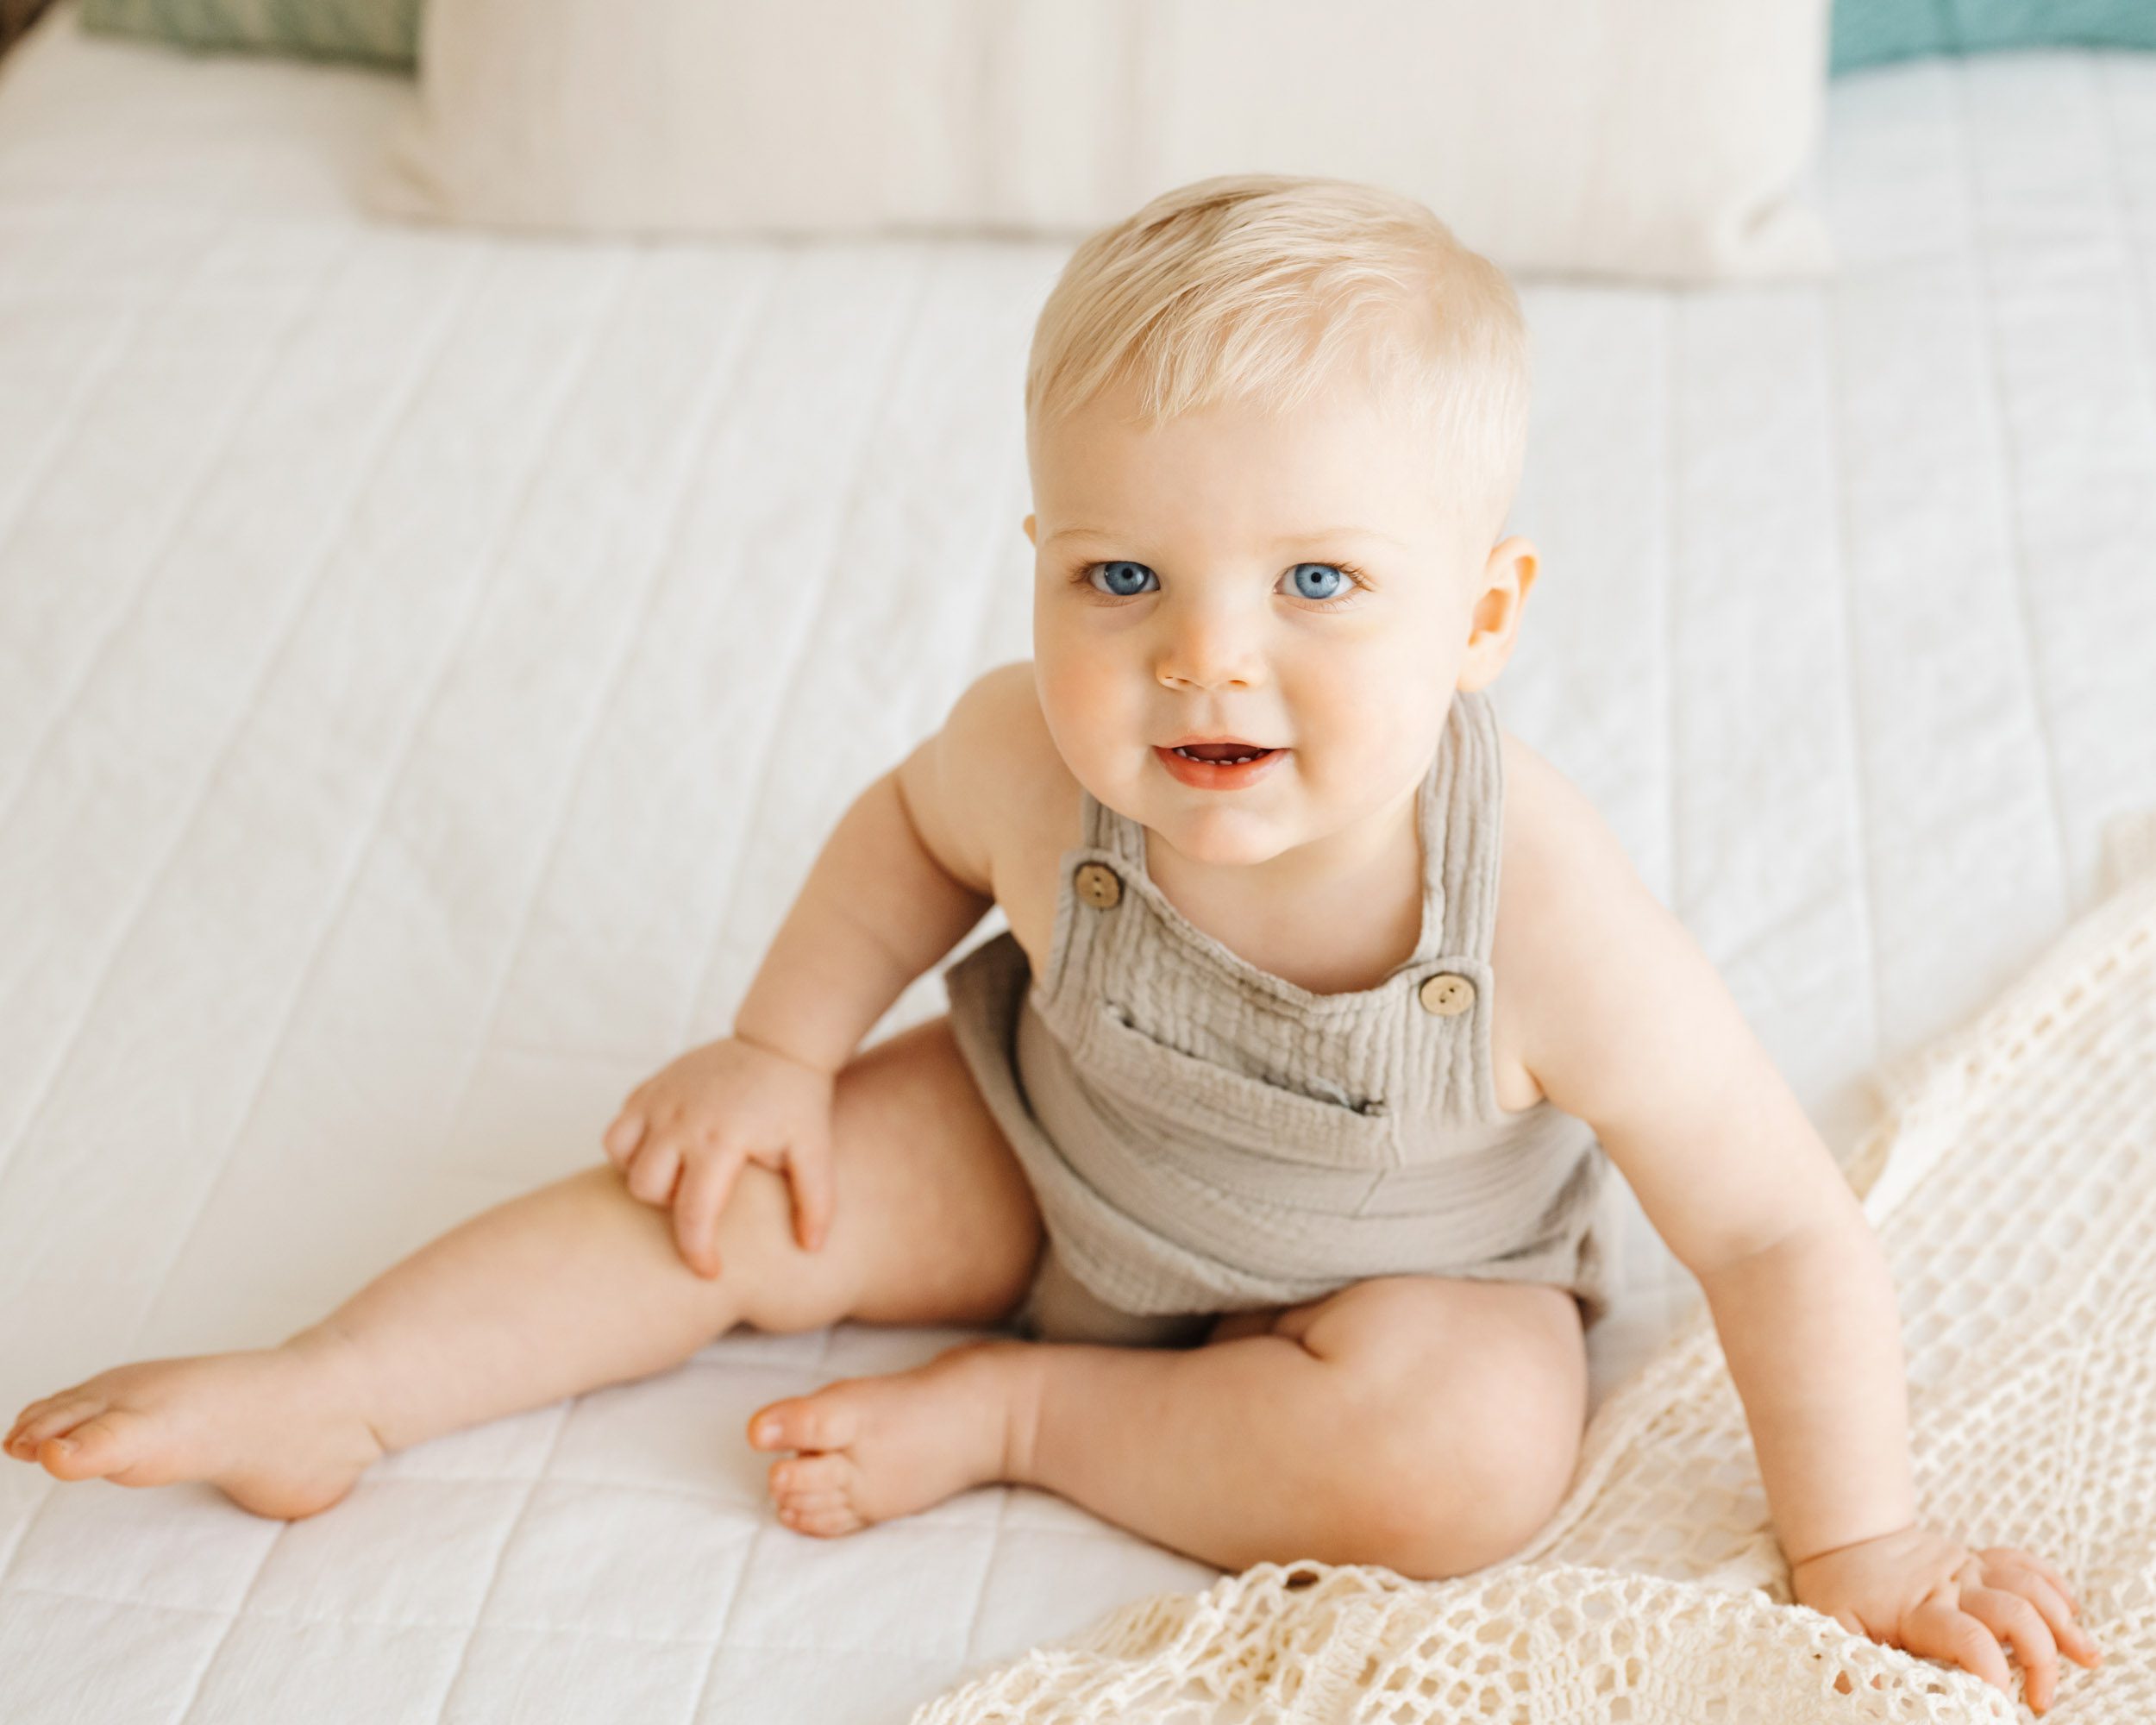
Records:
x=1328, y=535
x=1323, y=536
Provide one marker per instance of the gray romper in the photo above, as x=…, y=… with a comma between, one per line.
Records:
x=1203, y=1136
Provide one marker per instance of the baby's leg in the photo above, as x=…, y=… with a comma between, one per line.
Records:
x=1428, y=1424
x=573, y=1286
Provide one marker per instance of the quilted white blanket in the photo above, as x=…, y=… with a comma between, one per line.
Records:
x=2013, y=1180
x=429, y=661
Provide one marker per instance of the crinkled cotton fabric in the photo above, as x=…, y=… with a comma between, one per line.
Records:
x=1204, y=1135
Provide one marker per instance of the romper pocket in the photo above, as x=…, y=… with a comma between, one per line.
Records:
x=1176, y=1093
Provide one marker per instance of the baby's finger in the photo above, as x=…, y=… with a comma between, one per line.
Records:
x=697, y=1207
x=2012, y=1618
x=622, y=1137
x=1935, y=1629
x=810, y=1170
x=2073, y=1640
x=651, y=1175
x=2014, y=1554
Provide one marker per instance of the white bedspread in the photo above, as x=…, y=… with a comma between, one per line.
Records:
x=429, y=663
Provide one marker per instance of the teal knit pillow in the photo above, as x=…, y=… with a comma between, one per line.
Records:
x=1867, y=32
x=382, y=30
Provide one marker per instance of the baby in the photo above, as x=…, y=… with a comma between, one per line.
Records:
x=1289, y=1205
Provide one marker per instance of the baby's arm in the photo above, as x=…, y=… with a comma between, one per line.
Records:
x=1627, y=1024
x=901, y=880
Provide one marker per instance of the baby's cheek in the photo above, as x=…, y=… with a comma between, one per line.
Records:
x=1366, y=735
x=1356, y=695
x=1083, y=688
x=1086, y=717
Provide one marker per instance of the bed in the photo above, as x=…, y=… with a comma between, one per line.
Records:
x=429, y=660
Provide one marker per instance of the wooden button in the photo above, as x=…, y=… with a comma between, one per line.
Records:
x=1098, y=885
x=1448, y=993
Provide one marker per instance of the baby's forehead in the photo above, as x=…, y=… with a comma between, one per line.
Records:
x=1340, y=458
x=1341, y=392
x=1331, y=449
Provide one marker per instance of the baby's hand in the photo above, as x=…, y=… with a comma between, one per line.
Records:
x=1921, y=1592
x=702, y=1117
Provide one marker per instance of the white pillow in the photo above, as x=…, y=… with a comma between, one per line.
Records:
x=1657, y=139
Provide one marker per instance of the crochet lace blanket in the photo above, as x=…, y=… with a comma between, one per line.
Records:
x=2012, y=1179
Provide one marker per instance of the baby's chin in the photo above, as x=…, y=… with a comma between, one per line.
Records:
x=1216, y=849
x=1222, y=829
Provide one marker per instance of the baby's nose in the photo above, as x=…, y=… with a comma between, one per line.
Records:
x=1210, y=657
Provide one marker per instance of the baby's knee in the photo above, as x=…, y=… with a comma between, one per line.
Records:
x=1444, y=1507
x=783, y=1289
x=1468, y=1456
x=765, y=1279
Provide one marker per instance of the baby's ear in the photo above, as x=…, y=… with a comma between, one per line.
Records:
x=1513, y=556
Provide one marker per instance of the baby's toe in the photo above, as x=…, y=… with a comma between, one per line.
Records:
x=50, y=1418
x=34, y=1411
x=819, y=1499
x=823, y=1519
x=820, y=1421
x=811, y=1476
x=109, y=1443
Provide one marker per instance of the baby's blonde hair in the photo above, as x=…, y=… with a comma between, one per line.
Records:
x=1253, y=288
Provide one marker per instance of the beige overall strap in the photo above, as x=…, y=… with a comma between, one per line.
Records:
x=1468, y=808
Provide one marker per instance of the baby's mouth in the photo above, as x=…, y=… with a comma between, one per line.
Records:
x=1227, y=765
x=1220, y=754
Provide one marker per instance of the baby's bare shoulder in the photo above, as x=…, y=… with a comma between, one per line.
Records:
x=988, y=792
x=1560, y=866
x=1556, y=847
x=1626, y=1023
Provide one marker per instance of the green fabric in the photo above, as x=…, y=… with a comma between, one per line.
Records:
x=386, y=31
x=1867, y=32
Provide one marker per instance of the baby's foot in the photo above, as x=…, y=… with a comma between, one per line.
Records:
x=279, y=1431
x=876, y=1448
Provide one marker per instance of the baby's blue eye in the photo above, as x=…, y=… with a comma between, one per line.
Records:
x=1117, y=575
x=1318, y=574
